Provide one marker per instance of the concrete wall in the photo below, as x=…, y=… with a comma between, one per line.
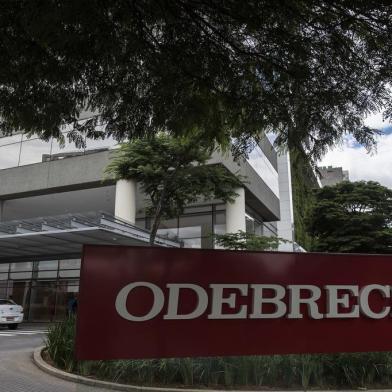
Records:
x=87, y=171
x=286, y=224
x=269, y=152
x=80, y=172
x=257, y=193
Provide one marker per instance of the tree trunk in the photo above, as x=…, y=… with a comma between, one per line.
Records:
x=157, y=218
x=154, y=229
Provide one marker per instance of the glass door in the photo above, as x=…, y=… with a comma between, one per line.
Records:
x=43, y=301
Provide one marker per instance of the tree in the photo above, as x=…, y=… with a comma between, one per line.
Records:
x=307, y=70
x=173, y=173
x=352, y=217
x=303, y=181
x=248, y=241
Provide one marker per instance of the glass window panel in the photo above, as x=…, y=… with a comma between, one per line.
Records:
x=67, y=291
x=75, y=273
x=70, y=264
x=47, y=274
x=197, y=226
x=4, y=267
x=198, y=209
x=43, y=301
x=26, y=138
x=20, y=293
x=9, y=156
x=220, y=217
x=269, y=230
x=220, y=207
x=25, y=266
x=250, y=224
x=34, y=151
x=21, y=275
x=264, y=169
x=220, y=223
x=10, y=139
x=48, y=265
x=168, y=228
x=193, y=226
x=192, y=243
x=254, y=224
x=106, y=143
x=258, y=227
x=3, y=289
x=3, y=276
x=68, y=150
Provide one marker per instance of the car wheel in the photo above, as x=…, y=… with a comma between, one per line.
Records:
x=12, y=326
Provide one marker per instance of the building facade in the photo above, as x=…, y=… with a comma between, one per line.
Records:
x=330, y=175
x=55, y=198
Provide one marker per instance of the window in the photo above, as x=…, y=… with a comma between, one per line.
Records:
x=196, y=230
x=21, y=270
x=9, y=155
x=10, y=139
x=264, y=169
x=61, y=152
x=168, y=228
x=34, y=151
x=69, y=268
x=220, y=222
x=47, y=269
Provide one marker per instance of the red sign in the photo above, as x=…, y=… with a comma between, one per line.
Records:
x=139, y=302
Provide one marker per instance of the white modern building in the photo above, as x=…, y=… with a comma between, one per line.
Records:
x=285, y=226
x=53, y=200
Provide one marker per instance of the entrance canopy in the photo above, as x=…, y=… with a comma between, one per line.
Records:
x=63, y=236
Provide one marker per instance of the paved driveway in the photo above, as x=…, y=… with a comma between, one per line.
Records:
x=17, y=371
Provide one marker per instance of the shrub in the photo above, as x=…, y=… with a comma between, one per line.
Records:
x=280, y=371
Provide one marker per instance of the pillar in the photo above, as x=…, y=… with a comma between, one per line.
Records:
x=125, y=203
x=235, y=213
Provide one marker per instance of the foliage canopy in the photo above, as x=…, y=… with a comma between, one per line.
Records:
x=307, y=70
x=172, y=172
x=352, y=217
x=248, y=241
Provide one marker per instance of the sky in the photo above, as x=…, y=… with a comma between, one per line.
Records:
x=376, y=166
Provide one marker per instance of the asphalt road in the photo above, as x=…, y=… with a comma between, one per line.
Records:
x=17, y=371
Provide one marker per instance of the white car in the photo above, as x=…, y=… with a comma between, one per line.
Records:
x=11, y=314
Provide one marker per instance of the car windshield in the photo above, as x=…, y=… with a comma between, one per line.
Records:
x=6, y=302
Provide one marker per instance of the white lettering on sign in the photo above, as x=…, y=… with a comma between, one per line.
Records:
x=174, y=297
x=385, y=291
x=121, y=301
x=296, y=300
x=336, y=297
x=218, y=300
x=276, y=300
x=258, y=301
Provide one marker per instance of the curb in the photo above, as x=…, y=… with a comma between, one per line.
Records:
x=45, y=367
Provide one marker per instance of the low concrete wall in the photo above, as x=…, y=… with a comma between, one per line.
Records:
x=79, y=172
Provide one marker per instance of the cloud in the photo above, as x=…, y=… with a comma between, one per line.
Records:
x=361, y=165
x=376, y=121
x=376, y=166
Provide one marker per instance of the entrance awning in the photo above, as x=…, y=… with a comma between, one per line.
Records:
x=63, y=236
